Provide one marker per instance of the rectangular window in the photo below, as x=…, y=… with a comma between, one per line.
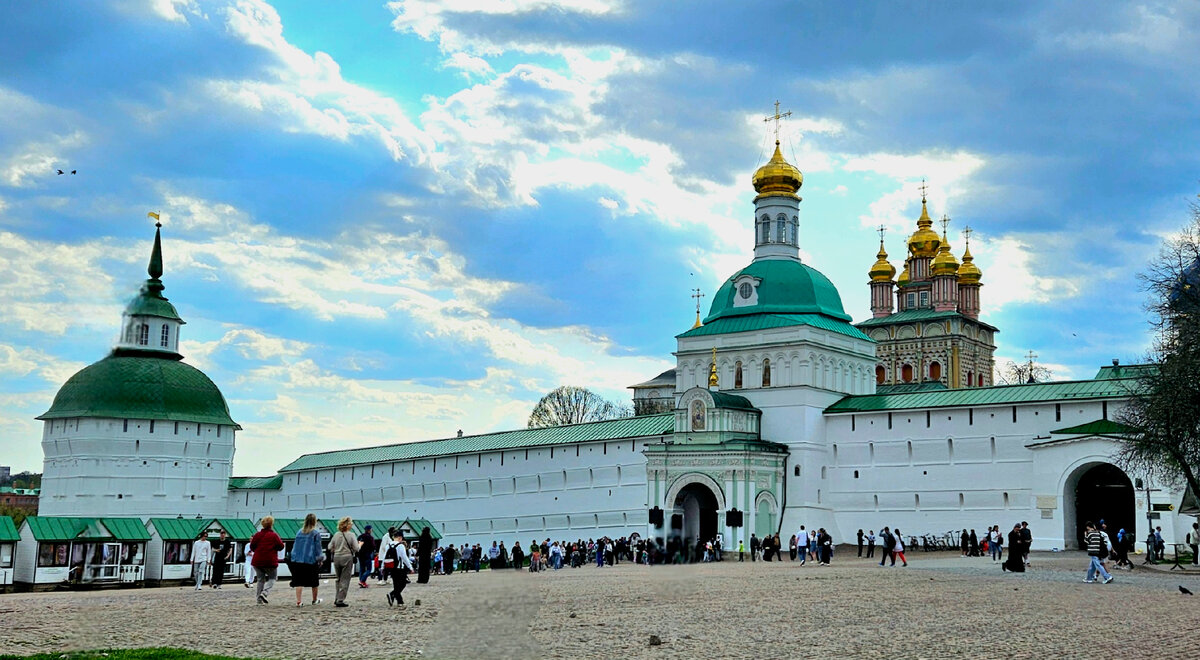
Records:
x=1104, y=409
x=1058, y=412
x=152, y=426
x=126, y=429
x=176, y=428
x=924, y=298
x=6, y=555
x=889, y=421
x=970, y=416
x=52, y=554
x=912, y=301
x=177, y=552
x=851, y=422
x=166, y=335
x=1014, y=414
x=928, y=418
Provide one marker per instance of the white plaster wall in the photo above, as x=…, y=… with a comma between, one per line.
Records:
x=95, y=467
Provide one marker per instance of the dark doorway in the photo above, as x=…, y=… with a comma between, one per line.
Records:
x=1104, y=493
x=698, y=506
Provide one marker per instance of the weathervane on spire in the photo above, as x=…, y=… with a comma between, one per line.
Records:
x=697, y=295
x=776, y=117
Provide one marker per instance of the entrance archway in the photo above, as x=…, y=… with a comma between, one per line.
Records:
x=1095, y=492
x=697, y=507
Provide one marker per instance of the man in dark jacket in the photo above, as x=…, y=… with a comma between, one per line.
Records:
x=366, y=556
x=754, y=546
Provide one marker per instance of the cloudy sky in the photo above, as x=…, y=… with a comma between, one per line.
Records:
x=388, y=222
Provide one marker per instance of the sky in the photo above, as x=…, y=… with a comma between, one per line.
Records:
x=388, y=222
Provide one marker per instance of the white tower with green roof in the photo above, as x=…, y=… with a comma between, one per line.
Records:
x=139, y=433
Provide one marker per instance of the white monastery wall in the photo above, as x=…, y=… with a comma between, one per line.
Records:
x=587, y=489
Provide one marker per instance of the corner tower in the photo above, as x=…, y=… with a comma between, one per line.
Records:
x=139, y=433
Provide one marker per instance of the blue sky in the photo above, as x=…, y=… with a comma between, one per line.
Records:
x=388, y=222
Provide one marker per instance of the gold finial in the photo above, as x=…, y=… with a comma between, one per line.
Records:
x=712, y=370
x=776, y=117
x=697, y=295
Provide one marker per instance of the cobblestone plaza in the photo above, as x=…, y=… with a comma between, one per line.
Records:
x=941, y=606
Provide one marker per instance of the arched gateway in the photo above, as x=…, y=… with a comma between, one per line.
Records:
x=695, y=512
x=1098, y=491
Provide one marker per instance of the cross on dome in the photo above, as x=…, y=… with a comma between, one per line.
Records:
x=776, y=117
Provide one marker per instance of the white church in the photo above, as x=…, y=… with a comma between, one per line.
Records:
x=780, y=408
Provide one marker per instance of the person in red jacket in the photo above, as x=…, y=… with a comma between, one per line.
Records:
x=265, y=545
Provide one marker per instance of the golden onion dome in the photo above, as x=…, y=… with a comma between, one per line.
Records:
x=882, y=271
x=904, y=277
x=778, y=176
x=924, y=242
x=944, y=263
x=968, y=272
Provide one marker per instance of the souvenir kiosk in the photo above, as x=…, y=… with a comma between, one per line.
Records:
x=81, y=552
x=240, y=531
x=169, y=553
x=8, y=551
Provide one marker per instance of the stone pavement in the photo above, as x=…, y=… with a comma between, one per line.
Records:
x=941, y=606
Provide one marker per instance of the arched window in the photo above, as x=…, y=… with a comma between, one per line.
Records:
x=766, y=229
x=980, y=380
x=906, y=373
x=781, y=229
x=130, y=330
x=766, y=381
x=795, y=230
x=166, y=335
x=143, y=334
x=970, y=378
x=935, y=371
x=880, y=374
x=737, y=375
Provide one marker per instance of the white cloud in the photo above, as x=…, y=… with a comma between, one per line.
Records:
x=428, y=19
x=1015, y=273
x=469, y=65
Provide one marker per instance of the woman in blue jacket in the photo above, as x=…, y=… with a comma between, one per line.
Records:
x=306, y=559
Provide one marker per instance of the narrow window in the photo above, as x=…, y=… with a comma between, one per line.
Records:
x=143, y=334
x=993, y=444
x=795, y=230
x=910, y=451
x=1006, y=500
x=950, y=448
x=876, y=502
x=152, y=426
x=166, y=335
x=851, y=422
x=924, y=298
x=1014, y=414
x=766, y=379
x=1104, y=409
x=856, y=474
x=126, y=426
x=970, y=378
x=961, y=500
x=970, y=416
x=1058, y=412
x=928, y=419
x=880, y=374
x=796, y=470
x=912, y=300
x=176, y=428
x=737, y=375
x=917, y=500
x=935, y=371
x=781, y=229
x=889, y=421
x=906, y=373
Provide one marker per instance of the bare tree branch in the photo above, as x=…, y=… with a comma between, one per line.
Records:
x=574, y=405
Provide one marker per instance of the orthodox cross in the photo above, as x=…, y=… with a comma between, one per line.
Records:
x=924, y=188
x=776, y=117
x=966, y=234
x=697, y=295
x=945, y=223
x=1031, y=356
x=882, y=230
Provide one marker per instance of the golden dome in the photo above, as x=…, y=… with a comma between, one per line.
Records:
x=904, y=277
x=778, y=176
x=882, y=271
x=944, y=263
x=924, y=242
x=968, y=272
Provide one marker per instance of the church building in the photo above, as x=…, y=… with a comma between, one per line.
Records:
x=780, y=412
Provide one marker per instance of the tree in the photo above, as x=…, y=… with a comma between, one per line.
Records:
x=573, y=405
x=1163, y=413
x=1011, y=373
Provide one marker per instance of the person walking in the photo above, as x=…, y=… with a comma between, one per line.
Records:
x=518, y=555
x=265, y=546
x=965, y=543
x=870, y=543
x=860, y=542
x=754, y=544
x=792, y=548
x=248, y=567
x=344, y=547
x=1193, y=539
x=403, y=568
x=305, y=562
x=898, y=548
x=1097, y=551
x=1016, y=560
x=825, y=547
x=221, y=550
x=1160, y=547
x=886, y=543
x=996, y=543
x=741, y=550
x=366, y=556
x=802, y=545
x=1026, y=542
x=201, y=557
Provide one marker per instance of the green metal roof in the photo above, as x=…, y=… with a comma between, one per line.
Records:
x=238, y=528
x=904, y=388
x=1126, y=371
x=727, y=400
x=148, y=304
x=786, y=287
x=287, y=528
x=262, y=483
x=419, y=525
x=613, y=429
x=925, y=314
x=332, y=523
x=987, y=396
x=1097, y=427
x=753, y=322
x=136, y=385
x=53, y=528
x=179, y=529
x=8, y=530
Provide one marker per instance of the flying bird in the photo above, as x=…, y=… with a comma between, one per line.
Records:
x=72, y=171
x=60, y=172
x=1183, y=590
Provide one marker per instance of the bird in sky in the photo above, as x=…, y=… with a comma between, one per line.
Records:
x=1184, y=590
x=60, y=172
x=72, y=171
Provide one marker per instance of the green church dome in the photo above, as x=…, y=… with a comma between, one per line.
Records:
x=132, y=384
x=784, y=287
